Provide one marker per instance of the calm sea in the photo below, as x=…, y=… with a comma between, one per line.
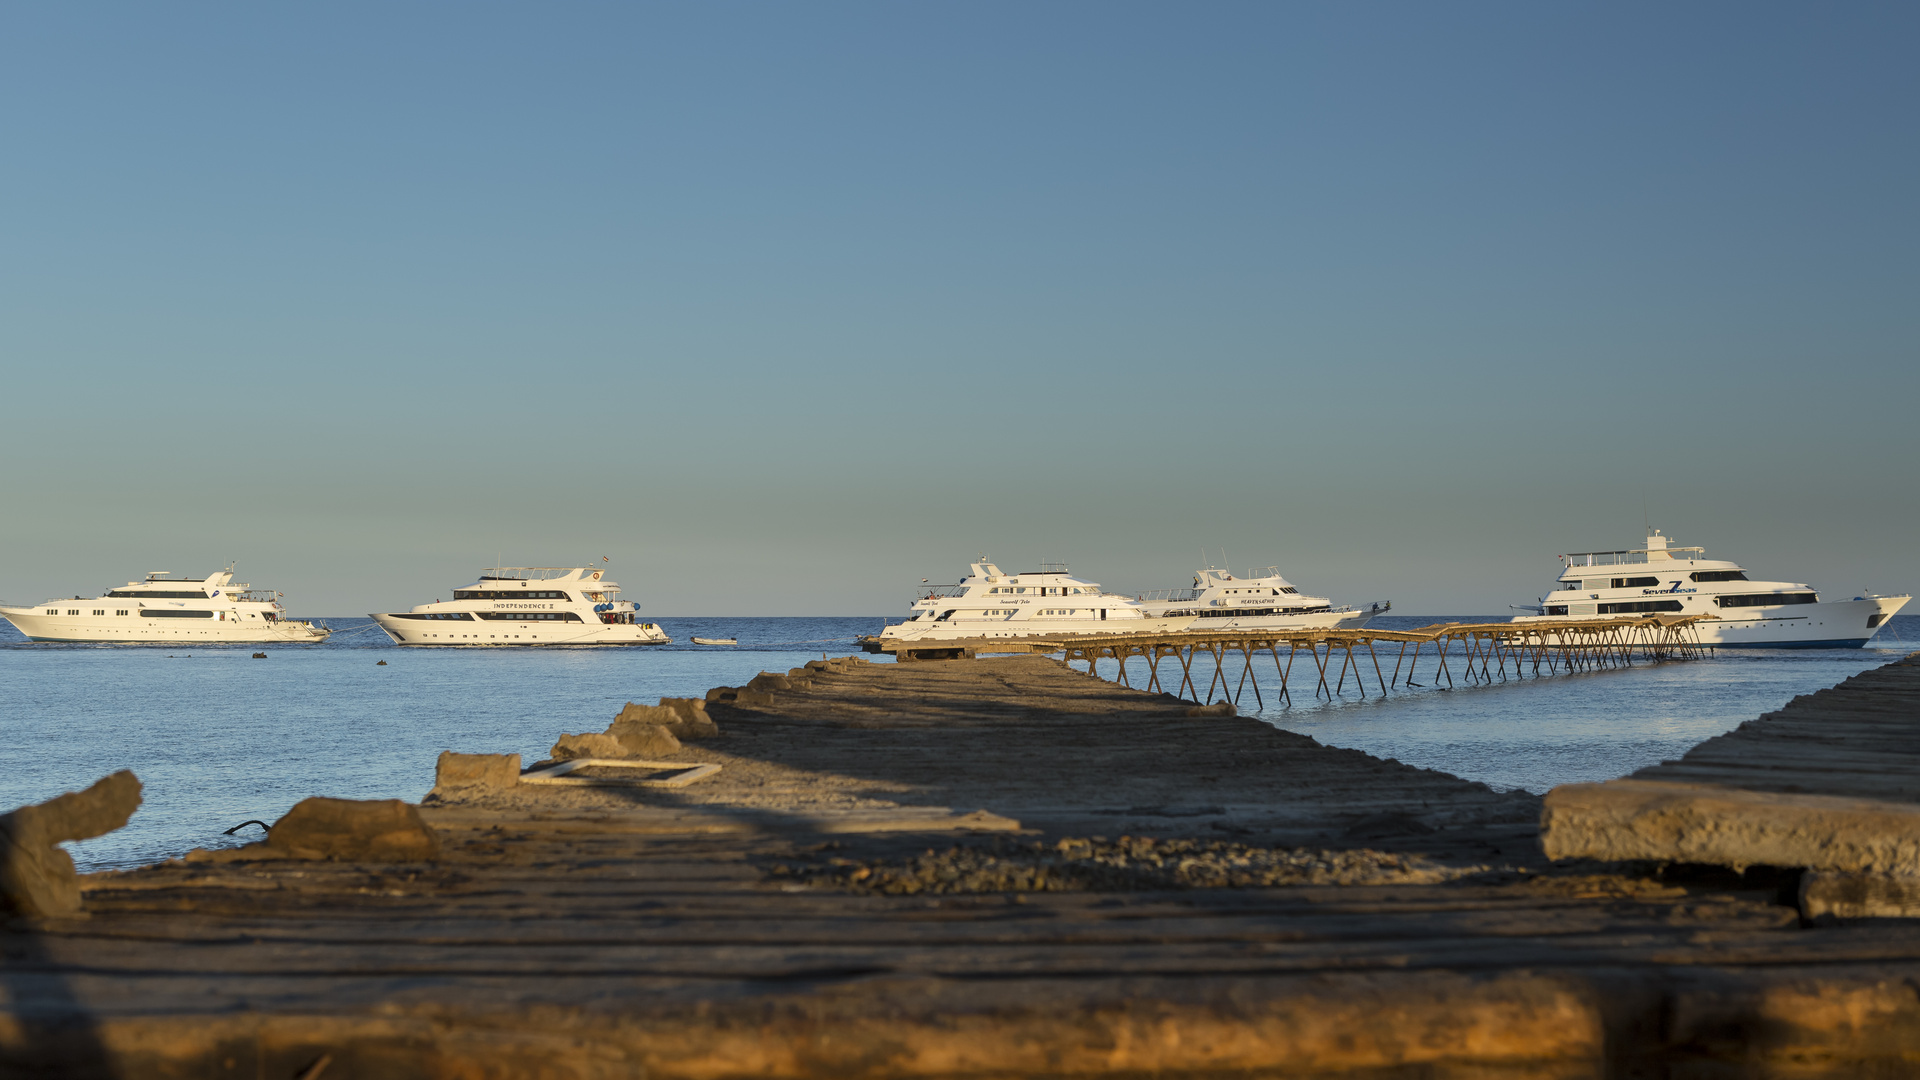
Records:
x=218, y=737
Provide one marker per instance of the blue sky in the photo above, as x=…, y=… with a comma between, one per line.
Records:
x=786, y=307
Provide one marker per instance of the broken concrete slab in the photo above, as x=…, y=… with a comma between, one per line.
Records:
x=686, y=718
x=1827, y=895
x=592, y=744
x=37, y=877
x=474, y=773
x=639, y=740
x=376, y=830
x=1668, y=822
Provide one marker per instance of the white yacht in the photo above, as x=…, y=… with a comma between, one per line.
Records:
x=1263, y=601
x=527, y=605
x=167, y=610
x=1049, y=602
x=1661, y=579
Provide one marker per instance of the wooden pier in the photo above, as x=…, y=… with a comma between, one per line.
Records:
x=1482, y=653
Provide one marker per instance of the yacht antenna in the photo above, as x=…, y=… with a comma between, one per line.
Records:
x=1644, y=515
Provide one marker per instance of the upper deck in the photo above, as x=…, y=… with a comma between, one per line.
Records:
x=1656, y=550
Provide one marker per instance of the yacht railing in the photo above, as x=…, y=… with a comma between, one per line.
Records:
x=1164, y=596
x=526, y=573
x=942, y=592
x=1628, y=558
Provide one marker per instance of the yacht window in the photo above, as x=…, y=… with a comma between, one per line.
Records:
x=1769, y=599
x=529, y=616
x=1639, y=607
x=1634, y=582
x=155, y=594
x=508, y=594
x=121, y=612
x=173, y=613
x=1718, y=575
x=1556, y=609
x=99, y=612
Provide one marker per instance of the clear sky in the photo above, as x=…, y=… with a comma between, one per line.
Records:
x=785, y=307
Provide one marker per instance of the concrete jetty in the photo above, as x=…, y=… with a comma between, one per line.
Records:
x=997, y=868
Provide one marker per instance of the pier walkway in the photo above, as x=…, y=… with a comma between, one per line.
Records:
x=1482, y=652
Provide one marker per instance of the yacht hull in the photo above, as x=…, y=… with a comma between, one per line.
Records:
x=1842, y=624
x=412, y=633
x=135, y=630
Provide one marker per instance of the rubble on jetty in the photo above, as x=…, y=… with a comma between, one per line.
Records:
x=1129, y=864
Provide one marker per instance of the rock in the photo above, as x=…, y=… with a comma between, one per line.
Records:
x=590, y=745
x=641, y=740
x=722, y=693
x=767, y=682
x=375, y=830
x=37, y=878
x=757, y=698
x=1218, y=708
x=475, y=773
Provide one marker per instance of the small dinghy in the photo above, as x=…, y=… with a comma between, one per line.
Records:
x=716, y=641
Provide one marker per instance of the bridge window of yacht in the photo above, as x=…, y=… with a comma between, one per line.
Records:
x=508, y=594
x=1718, y=575
x=1556, y=609
x=1639, y=607
x=1634, y=582
x=1769, y=599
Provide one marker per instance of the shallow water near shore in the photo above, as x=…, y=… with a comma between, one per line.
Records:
x=219, y=738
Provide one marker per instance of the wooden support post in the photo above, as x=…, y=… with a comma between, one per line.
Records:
x=1286, y=698
x=1376, y=667
x=1246, y=652
x=1214, y=648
